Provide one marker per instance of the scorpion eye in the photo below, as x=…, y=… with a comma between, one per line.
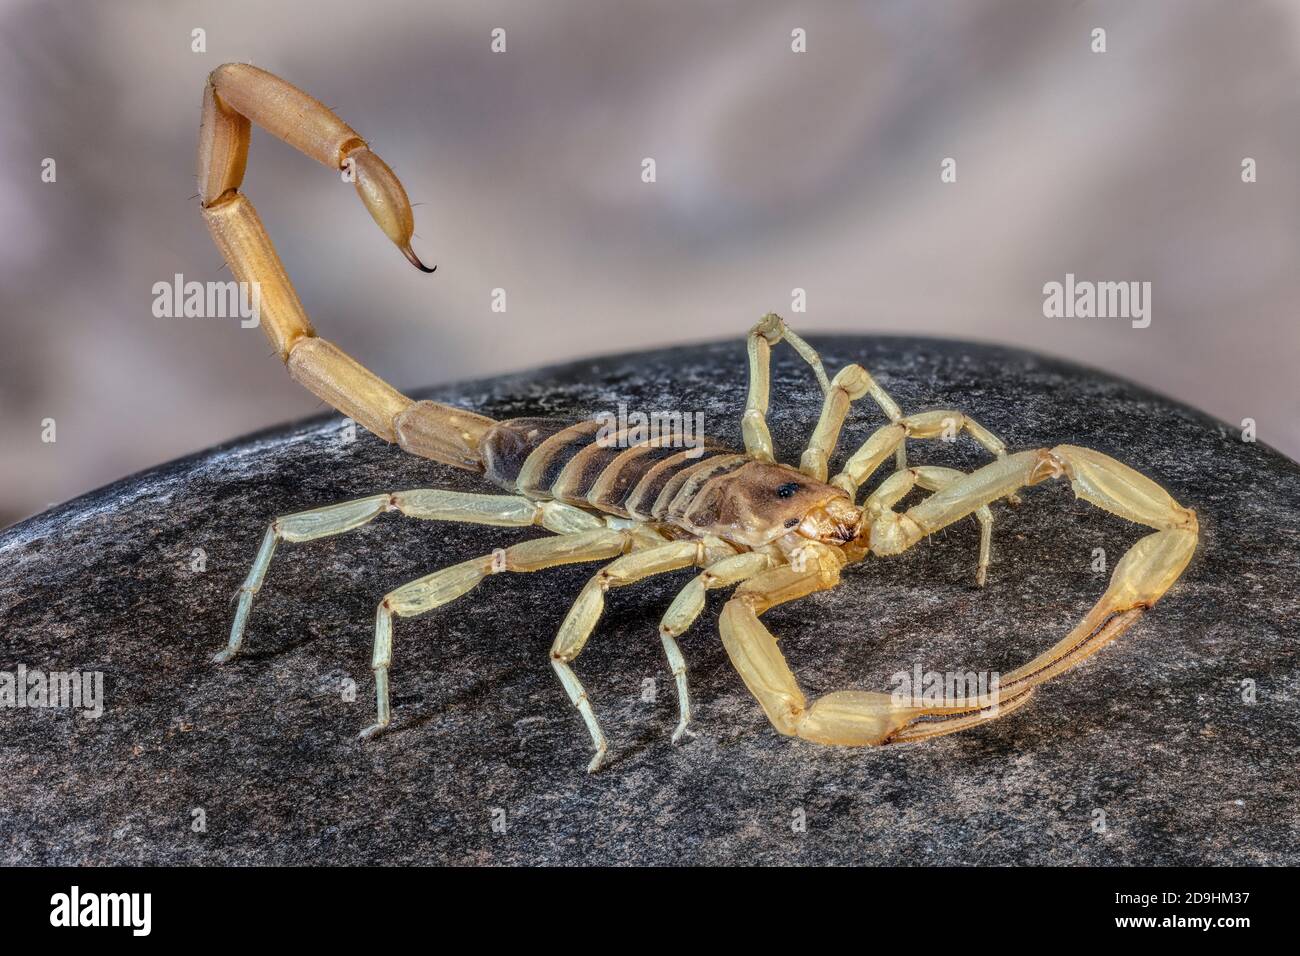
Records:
x=788, y=489
x=791, y=522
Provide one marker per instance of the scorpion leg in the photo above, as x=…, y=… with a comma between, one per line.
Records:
x=769, y=331
x=862, y=464
x=442, y=587
x=425, y=503
x=943, y=425
x=586, y=611
x=686, y=607
x=894, y=488
x=850, y=384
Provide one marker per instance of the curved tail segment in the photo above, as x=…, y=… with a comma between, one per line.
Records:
x=236, y=96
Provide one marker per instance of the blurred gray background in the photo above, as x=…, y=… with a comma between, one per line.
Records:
x=775, y=170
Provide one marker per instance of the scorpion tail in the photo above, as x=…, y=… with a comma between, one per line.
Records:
x=237, y=95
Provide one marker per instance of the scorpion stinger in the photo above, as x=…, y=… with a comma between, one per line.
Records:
x=653, y=505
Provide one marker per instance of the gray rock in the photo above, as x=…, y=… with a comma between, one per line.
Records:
x=1153, y=732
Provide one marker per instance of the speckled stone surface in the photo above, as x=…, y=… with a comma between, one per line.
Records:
x=1151, y=736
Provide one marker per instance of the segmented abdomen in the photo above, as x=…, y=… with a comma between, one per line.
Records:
x=576, y=462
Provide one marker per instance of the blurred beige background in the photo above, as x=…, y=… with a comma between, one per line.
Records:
x=775, y=170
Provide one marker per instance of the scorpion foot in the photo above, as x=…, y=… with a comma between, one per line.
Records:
x=598, y=761
x=373, y=730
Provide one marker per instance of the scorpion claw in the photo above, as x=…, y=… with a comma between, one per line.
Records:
x=414, y=260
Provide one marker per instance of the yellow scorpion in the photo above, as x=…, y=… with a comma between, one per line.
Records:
x=648, y=506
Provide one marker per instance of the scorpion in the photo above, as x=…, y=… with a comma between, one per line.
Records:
x=774, y=532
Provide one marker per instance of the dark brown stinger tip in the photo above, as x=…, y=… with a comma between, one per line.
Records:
x=414, y=260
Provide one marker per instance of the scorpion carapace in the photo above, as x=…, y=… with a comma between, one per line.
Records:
x=649, y=506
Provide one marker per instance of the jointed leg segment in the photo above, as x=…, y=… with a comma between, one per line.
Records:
x=425, y=503
x=686, y=607
x=434, y=590
x=944, y=425
x=769, y=331
x=586, y=611
x=895, y=488
x=851, y=383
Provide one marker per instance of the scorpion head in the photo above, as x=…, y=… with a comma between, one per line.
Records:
x=760, y=502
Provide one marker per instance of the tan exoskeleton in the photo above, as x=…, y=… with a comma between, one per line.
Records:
x=648, y=506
